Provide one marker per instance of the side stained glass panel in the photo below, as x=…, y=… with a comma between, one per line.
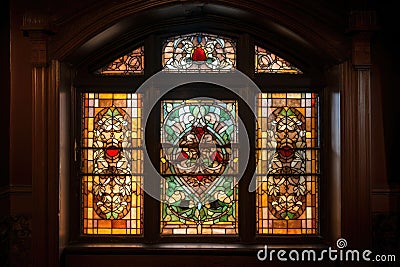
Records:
x=129, y=64
x=111, y=164
x=267, y=62
x=287, y=163
x=199, y=158
x=199, y=52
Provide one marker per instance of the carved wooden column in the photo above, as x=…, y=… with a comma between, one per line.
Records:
x=44, y=142
x=356, y=134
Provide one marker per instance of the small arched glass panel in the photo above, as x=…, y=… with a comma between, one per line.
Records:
x=199, y=52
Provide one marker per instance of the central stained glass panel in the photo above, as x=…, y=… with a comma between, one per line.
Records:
x=199, y=158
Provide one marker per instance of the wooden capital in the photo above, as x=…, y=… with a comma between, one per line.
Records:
x=362, y=23
x=36, y=26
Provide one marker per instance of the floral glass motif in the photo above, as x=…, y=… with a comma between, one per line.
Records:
x=266, y=61
x=129, y=64
x=199, y=52
x=288, y=163
x=199, y=163
x=111, y=166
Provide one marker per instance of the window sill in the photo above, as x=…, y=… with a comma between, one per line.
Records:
x=180, y=248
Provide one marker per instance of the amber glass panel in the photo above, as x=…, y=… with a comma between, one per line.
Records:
x=267, y=62
x=129, y=64
x=199, y=164
x=112, y=164
x=287, y=163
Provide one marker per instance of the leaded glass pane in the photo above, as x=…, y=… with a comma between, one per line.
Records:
x=129, y=64
x=199, y=52
x=111, y=164
x=199, y=158
x=288, y=163
x=267, y=62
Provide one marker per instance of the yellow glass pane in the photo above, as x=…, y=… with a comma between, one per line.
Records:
x=287, y=140
x=108, y=153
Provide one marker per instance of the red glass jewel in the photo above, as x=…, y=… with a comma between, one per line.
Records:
x=286, y=151
x=112, y=151
x=199, y=177
x=200, y=131
x=199, y=54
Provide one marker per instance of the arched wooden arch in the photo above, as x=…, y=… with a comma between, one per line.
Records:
x=285, y=26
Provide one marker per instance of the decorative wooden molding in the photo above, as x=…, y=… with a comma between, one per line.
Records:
x=15, y=189
x=291, y=23
x=356, y=151
x=35, y=20
x=45, y=77
x=36, y=26
x=45, y=121
x=356, y=135
x=386, y=191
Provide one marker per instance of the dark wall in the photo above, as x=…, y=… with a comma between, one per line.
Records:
x=387, y=58
x=386, y=113
x=5, y=128
x=21, y=99
x=5, y=91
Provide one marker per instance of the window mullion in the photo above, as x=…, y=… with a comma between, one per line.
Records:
x=247, y=208
x=245, y=63
x=152, y=205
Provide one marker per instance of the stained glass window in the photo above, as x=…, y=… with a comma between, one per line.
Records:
x=111, y=166
x=288, y=163
x=199, y=163
x=268, y=62
x=199, y=151
x=199, y=52
x=129, y=64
